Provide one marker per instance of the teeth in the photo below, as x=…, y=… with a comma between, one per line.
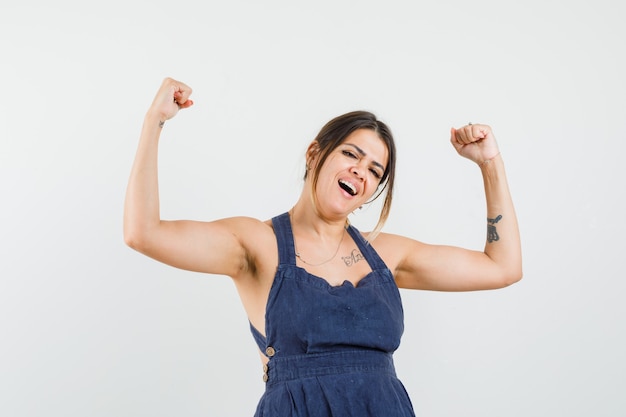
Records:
x=348, y=187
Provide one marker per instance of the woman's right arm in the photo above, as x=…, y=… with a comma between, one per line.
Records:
x=212, y=247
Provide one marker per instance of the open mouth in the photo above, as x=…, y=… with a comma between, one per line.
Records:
x=349, y=188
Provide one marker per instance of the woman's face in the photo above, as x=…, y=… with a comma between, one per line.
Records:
x=351, y=173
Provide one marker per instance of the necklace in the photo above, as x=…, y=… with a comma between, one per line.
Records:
x=321, y=263
x=295, y=247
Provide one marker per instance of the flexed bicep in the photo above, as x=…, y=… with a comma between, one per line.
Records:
x=217, y=247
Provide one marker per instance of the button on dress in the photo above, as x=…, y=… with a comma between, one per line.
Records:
x=330, y=347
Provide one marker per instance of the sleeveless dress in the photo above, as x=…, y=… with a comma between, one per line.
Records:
x=330, y=347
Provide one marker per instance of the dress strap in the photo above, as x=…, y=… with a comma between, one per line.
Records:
x=369, y=253
x=284, y=238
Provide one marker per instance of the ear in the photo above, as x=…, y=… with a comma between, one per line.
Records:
x=312, y=153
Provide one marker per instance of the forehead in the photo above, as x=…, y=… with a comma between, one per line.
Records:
x=370, y=143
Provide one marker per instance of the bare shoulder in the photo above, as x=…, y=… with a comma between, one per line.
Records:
x=393, y=248
x=243, y=225
x=253, y=234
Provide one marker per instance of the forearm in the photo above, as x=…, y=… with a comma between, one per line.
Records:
x=141, y=208
x=503, y=239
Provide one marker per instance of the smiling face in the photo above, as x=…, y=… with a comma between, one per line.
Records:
x=351, y=173
x=355, y=139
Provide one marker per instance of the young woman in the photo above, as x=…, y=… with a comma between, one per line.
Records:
x=322, y=298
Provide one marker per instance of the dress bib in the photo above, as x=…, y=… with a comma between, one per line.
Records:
x=330, y=347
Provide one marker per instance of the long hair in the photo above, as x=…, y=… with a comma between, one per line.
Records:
x=335, y=132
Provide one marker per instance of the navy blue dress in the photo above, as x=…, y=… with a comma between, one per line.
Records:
x=330, y=347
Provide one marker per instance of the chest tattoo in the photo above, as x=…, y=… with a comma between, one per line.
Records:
x=354, y=257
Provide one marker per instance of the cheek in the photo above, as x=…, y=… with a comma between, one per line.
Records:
x=372, y=187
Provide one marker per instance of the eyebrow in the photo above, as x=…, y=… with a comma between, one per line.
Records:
x=362, y=153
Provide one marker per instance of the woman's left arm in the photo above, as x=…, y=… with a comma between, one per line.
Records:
x=447, y=268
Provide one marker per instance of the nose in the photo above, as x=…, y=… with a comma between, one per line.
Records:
x=357, y=171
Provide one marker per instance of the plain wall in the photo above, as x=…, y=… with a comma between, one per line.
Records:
x=89, y=327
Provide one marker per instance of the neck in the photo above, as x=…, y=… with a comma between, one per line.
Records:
x=313, y=236
x=308, y=220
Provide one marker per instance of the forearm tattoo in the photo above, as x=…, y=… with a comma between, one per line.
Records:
x=354, y=257
x=492, y=233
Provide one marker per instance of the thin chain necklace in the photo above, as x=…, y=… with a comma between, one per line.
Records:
x=321, y=263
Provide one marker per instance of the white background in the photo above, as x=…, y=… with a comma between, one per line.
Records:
x=89, y=327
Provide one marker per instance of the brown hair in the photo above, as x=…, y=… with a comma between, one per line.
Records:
x=335, y=132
